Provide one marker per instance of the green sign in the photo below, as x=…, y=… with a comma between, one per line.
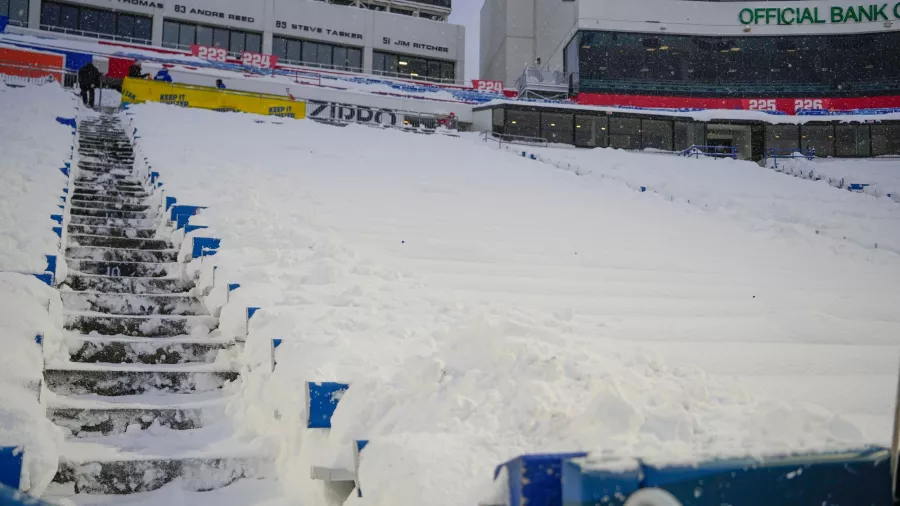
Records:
x=814, y=15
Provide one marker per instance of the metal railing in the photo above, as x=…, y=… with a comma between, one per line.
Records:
x=710, y=152
x=501, y=139
x=95, y=35
x=398, y=75
x=790, y=153
x=315, y=65
x=21, y=74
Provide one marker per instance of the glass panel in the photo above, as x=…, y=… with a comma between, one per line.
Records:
x=293, y=50
x=625, y=133
x=340, y=57
x=49, y=13
x=18, y=11
x=354, y=59
x=107, y=22
x=885, y=139
x=170, y=33
x=68, y=17
x=378, y=62
x=448, y=71
x=89, y=21
x=418, y=67
x=585, y=133
x=819, y=137
x=187, y=34
x=557, y=127
x=434, y=69
x=236, y=44
x=524, y=123
x=688, y=134
x=125, y=26
x=845, y=140
x=253, y=43
x=656, y=134
x=220, y=38
x=143, y=28
x=279, y=47
x=323, y=55
x=4, y=9
x=309, y=52
x=782, y=136
x=391, y=64
x=204, y=35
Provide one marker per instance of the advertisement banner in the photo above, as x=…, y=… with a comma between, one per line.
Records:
x=31, y=64
x=135, y=91
x=785, y=105
x=353, y=113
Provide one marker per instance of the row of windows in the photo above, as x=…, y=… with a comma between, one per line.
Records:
x=15, y=10
x=414, y=67
x=591, y=130
x=99, y=23
x=183, y=35
x=317, y=54
x=616, y=61
x=397, y=10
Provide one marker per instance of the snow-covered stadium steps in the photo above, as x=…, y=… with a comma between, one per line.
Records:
x=136, y=326
x=110, y=380
x=127, y=269
x=137, y=304
x=130, y=350
x=122, y=243
x=109, y=284
x=85, y=190
x=99, y=253
x=112, y=206
x=109, y=213
x=92, y=414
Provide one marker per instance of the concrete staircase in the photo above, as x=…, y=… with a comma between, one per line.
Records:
x=145, y=382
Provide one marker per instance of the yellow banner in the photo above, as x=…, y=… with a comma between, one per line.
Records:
x=136, y=91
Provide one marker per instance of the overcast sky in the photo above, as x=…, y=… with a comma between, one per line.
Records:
x=466, y=13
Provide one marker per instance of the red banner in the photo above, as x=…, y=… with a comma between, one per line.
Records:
x=785, y=105
x=266, y=61
x=209, y=53
x=490, y=86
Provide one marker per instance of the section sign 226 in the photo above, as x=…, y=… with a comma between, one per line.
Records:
x=209, y=53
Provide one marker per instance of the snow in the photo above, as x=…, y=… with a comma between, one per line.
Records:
x=482, y=305
x=34, y=149
x=881, y=174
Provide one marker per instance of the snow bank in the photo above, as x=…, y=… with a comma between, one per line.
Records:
x=747, y=193
x=28, y=308
x=34, y=147
x=482, y=305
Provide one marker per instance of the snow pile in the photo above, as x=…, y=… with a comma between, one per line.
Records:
x=34, y=147
x=28, y=308
x=882, y=175
x=482, y=305
x=747, y=193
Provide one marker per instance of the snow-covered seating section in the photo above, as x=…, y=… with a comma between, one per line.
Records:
x=475, y=306
x=879, y=177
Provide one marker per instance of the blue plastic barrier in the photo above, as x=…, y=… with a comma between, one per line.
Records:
x=710, y=152
x=857, y=187
x=4, y=20
x=67, y=121
x=10, y=466
x=205, y=246
x=170, y=201
x=321, y=401
x=837, y=479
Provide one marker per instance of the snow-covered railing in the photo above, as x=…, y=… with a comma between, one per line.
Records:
x=790, y=153
x=514, y=139
x=710, y=151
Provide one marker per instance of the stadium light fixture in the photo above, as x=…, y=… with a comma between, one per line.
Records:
x=403, y=63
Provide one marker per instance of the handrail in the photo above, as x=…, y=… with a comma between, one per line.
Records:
x=95, y=35
x=514, y=139
x=710, y=151
x=790, y=153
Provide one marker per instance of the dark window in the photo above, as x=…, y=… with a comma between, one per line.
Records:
x=187, y=34
x=557, y=127
x=782, y=136
x=323, y=55
x=236, y=42
x=204, y=36
x=755, y=66
x=354, y=59
x=91, y=22
x=688, y=134
x=846, y=141
x=524, y=123
x=170, y=34
x=625, y=133
x=253, y=43
x=414, y=67
x=591, y=131
x=220, y=38
x=317, y=54
x=885, y=139
x=818, y=137
x=656, y=134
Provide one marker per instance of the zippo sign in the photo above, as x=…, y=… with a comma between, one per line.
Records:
x=209, y=53
x=352, y=113
x=489, y=86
